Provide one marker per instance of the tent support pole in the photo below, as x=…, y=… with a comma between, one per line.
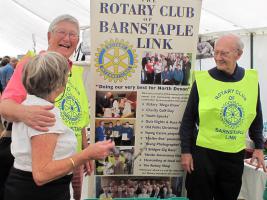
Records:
x=251, y=50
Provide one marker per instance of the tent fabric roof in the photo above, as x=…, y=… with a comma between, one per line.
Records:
x=26, y=21
x=227, y=15
x=23, y=21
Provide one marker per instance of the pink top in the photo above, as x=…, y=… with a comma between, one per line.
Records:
x=15, y=89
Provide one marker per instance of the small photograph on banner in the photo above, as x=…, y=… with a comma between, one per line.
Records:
x=121, y=131
x=166, y=68
x=116, y=104
x=119, y=162
x=140, y=187
x=205, y=48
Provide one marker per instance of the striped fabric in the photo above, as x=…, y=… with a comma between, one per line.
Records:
x=77, y=181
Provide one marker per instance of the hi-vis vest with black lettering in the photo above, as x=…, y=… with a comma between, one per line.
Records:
x=226, y=111
x=74, y=108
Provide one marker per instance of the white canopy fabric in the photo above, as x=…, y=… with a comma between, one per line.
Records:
x=227, y=15
x=24, y=21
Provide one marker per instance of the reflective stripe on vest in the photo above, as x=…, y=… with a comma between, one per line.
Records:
x=226, y=111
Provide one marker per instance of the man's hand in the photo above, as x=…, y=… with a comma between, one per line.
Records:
x=258, y=156
x=187, y=162
x=38, y=117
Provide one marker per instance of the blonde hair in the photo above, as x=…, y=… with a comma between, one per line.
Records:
x=45, y=73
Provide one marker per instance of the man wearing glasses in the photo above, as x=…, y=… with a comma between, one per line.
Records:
x=223, y=105
x=63, y=37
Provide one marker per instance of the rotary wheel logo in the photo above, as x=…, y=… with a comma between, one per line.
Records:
x=232, y=114
x=116, y=60
x=71, y=109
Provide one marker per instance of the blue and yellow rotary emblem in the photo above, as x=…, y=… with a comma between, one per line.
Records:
x=232, y=114
x=70, y=109
x=69, y=105
x=116, y=60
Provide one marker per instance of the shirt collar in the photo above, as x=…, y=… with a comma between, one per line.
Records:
x=234, y=76
x=70, y=64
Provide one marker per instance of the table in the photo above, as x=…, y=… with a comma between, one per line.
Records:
x=253, y=183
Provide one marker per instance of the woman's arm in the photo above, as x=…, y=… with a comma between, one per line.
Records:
x=45, y=169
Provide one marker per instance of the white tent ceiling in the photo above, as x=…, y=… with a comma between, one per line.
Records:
x=226, y=15
x=23, y=20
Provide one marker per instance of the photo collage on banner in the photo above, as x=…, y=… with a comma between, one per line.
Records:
x=142, y=61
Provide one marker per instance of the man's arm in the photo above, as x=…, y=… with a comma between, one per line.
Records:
x=190, y=118
x=255, y=134
x=37, y=117
x=256, y=128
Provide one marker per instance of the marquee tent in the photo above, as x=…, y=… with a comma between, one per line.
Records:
x=24, y=23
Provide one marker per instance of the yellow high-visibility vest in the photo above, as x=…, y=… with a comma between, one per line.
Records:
x=73, y=104
x=226, y=111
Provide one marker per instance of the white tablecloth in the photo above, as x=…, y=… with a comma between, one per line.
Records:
x=253, y=183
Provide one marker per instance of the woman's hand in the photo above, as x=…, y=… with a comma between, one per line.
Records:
x=100, y=150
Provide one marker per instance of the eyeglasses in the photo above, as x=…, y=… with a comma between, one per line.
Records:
x=224, y=53
x=64, y=33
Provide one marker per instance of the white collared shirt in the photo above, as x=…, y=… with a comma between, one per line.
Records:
x=21, y=138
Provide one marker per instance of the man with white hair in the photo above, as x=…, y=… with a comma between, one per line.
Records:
x=223, y=105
